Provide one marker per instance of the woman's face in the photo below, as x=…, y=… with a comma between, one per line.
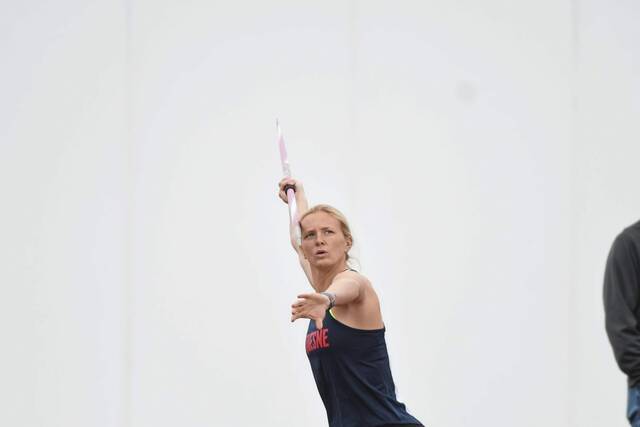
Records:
x=323, y=242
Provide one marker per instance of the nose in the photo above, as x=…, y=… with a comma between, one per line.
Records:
x=319, y=240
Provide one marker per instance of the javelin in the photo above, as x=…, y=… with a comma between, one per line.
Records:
x=289, y=189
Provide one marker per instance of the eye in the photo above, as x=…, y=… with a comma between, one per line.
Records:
x=328, y=231
x=308, y=235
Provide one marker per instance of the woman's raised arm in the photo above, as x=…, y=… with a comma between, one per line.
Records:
x=303, y=206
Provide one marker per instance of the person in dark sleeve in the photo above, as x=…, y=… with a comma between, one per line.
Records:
x=622, y=311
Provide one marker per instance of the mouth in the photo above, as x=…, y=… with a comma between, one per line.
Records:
x=321, y=252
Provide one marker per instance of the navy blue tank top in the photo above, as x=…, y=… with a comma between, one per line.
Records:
x=352, y=372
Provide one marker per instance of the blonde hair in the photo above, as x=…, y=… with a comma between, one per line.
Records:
x=344, y=224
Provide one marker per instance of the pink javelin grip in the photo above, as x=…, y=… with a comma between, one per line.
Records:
x=286, y=171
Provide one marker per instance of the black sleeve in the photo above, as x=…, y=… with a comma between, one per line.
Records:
x=621, y=293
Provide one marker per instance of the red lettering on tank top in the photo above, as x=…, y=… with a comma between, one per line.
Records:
x=325, y=338
x=317, y=340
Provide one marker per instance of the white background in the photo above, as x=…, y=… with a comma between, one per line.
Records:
x=486, y=154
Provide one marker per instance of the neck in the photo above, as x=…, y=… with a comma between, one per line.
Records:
x=322, y=277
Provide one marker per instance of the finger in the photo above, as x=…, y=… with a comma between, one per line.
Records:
x=318, y=324
x=305, y=296
x=284, y=181
x=297, y=316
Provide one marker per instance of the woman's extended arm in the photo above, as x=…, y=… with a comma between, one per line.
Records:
x=347, y=288
x=303, y=206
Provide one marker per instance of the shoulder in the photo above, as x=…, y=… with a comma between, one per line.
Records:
x=625, y=245
x=631, y=233
x=352, y=275
x=365, y=289
x=627, y=238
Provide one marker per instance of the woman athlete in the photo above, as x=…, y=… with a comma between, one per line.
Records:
x=345, y=341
